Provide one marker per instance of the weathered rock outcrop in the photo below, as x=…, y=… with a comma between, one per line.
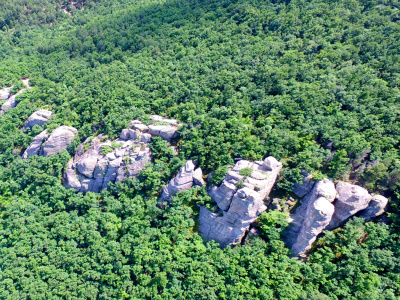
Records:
x=241, y=200
x=97, y=163
x=105, y=162
x=36, y=145
x=39, y=118
x=198, y=178
x=301, y=189
x=350, y=200
x=327, y=207
x=46, y=145
x=311, y=217
x=376, y=207
x=182, y=181
x=11, y=102
x=164, y=128
x=5, y=93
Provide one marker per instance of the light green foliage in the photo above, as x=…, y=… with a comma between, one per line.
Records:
x=115, y=145
x=219, y=175
x=105, y=150
x=246, y=172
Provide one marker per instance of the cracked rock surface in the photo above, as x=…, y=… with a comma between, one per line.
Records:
x=241, y=200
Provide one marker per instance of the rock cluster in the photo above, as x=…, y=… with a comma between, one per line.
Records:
x=164, y=128
x=11, y=102
x=241, y=200
x=327, y=207
x=104, y=162
x=99, y=162
x=46, y=145
x=39, y=118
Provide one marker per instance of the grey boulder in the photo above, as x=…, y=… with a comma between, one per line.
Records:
x=5, y=93
x=39, y=118
x=350, y=200
x=36, y=146
x=241, y=200
x=301, y=189
x=311, y=217
x=376, y=207
x=198, y=177
x=59, y=140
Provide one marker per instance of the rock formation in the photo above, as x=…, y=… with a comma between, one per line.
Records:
x=198, y=178
x=241, y=200
x=46, y=145
x=376, y=207
x=311, y=217
x=97, y=162
x=5, y=93
x=11, y=102
x=164, y=128
x=39, y=118
x=301, y=189
x=350, y=200
x=105, y=162
x=182, y=181
x=327, y=207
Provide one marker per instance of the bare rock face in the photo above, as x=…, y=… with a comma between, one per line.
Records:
x=162, y=127
x=59, y=140
x=182, y=181
x=5, y=93
x=104, y=162
x=11, y=102
x=376, y=207
x=241, y=200
x=198, y=178
x=327, y=207
x=311, y=217
x=39, y=118
x=301, y=189
x=46, y=145
x=36, y=146
x=350, y=200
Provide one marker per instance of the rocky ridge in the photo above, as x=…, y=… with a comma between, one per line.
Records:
x=326, y=207
x=98, y=162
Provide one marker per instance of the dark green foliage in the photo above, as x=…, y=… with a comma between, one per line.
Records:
x=218, y=175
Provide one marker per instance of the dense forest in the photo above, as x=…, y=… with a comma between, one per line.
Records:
x=315, y=84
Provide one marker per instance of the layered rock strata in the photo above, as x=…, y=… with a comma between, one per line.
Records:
x=39, y=118
x=45, y=145
x=98, y=162
x=104, y=162
x=241, y=200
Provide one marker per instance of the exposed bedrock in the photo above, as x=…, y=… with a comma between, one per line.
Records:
x=303, y=188
x=350, y=200
x=162, y=127
x=11, y=102
x=97, y=163
x=182, y=181
x=311, y=217
x=46, y=145
x=241, y=200
x=39, y=117
x=104, y=162
x=5, y=93
x=327, y=207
